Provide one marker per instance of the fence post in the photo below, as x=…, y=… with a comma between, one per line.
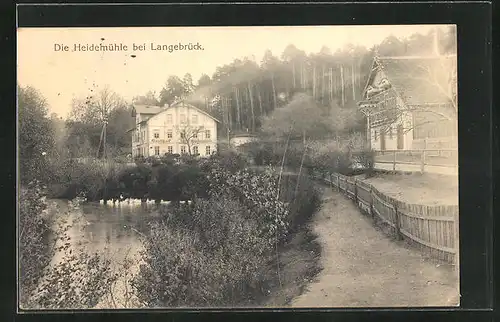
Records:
x=457, y=245
x=394, y=161
x=422, y=162
x=338, y=182
x=372, y=212
x=356, y=192
x=398, y=223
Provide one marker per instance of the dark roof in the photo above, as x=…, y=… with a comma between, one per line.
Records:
x=153, y=110
x=146, y=109
x=418, y=80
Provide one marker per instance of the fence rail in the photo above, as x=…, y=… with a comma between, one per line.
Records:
x=432, y=229
x=425, y=160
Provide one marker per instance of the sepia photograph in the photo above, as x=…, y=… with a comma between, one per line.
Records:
x=237, y=167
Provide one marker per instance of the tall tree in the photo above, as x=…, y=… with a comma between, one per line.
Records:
x=36, y=135
x=174, y=88
x=204, y=81
x=93, y=114
x=187, y=80
x=150, y=98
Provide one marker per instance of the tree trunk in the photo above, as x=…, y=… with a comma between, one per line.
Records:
x=306, y=82
x=251, y=107
x=104, y=142
x=302, y=77
x=274, y=91
x=238, y=109
x=323, y=85
x=260, y=101
x=353, y=83
x=342, y=84
x=330, y=87
x=314, y=82
x=100, y=142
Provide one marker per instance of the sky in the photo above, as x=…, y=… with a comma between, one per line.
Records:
x=62, y=75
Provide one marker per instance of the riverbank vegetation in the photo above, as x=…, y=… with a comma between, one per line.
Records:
x=227, y=246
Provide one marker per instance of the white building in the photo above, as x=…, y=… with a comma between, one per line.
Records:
x=410, y=103
x=239, y=139
x=180, y=128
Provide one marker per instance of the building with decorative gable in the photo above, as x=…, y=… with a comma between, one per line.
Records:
x=410, y=103
x=180, y=128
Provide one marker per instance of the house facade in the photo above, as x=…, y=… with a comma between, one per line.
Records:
x=180, y=128
x=410, y=103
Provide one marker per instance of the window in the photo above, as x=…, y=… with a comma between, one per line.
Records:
x=375, y=135
x=156, y=134
x=195, y=135
x=183, y=118
x=195, y=150
x=195, y=119
x=183, y=149
x=183, y=135
x=170, y=149
x=157, y=150
x=169, y=134
x=169, y=119
x=207, y=134
x=207, y=150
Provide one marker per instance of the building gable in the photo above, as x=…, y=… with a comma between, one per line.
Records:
x=416, y=81
x=189, y=109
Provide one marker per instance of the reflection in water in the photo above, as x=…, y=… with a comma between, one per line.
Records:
x=113, y=230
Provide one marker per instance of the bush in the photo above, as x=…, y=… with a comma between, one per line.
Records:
x=303, y=200
x=202, y=255
x=210, y=252
x=258, y=191
x=34, y=234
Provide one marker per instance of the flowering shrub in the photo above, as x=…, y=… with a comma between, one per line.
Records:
x=259, y=192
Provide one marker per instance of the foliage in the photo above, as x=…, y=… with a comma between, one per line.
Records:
x=244, y=91
x=76, y=279
x=210, y=252
x=34, y=233
x=150, y=98
x=176, y=88
x=302, y=202
x=79, y=281
x=36, y=135
x=258, y=191
x=202, y=256
x=86, y=121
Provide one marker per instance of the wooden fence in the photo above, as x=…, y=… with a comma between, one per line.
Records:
x=432, y=229
x=428, y=160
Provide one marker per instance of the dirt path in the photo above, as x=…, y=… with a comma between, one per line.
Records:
x=364, y=268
